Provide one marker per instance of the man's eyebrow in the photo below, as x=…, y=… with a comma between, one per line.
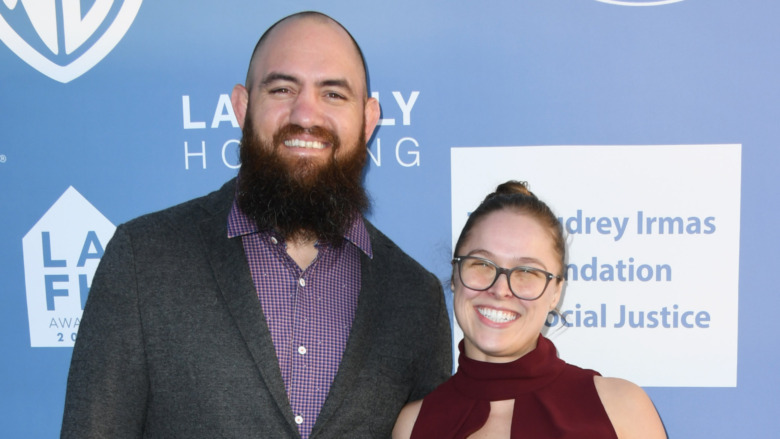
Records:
x=342, y=83
x=273, y=77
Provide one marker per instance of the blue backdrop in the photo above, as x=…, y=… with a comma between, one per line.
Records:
x=537, y=72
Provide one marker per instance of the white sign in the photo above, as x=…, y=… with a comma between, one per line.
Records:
x=653, y=267
x=61, y=253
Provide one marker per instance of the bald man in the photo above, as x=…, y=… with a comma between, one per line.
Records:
x=270, y=308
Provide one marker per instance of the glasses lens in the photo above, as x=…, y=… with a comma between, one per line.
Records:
x=477, y=274
x=528, y=284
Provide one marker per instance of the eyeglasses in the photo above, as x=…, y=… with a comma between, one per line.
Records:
x=479, y=274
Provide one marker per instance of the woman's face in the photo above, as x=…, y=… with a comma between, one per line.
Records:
x=497, y=326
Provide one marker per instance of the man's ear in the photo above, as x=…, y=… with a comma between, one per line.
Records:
x=239, y=98
x=371, y=116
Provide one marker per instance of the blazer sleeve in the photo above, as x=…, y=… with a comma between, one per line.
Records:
x=108, y=382
x=437, y=366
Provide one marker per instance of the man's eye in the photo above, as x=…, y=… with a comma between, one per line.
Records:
x=334, y=95
x=280, y=90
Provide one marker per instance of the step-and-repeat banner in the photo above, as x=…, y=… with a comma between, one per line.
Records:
x=650, y=127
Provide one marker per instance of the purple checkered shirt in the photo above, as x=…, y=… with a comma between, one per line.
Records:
x=309, y=312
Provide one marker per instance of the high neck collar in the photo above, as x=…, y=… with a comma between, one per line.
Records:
x=499, y=381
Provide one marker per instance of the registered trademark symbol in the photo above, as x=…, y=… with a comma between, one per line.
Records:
x=3, y=158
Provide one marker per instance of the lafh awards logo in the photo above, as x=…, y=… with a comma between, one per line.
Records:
x=61, y=254
x=58, y=38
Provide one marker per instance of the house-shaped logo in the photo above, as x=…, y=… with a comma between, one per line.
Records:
x=61, y=253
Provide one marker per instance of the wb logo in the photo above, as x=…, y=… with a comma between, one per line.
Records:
x=58, y=38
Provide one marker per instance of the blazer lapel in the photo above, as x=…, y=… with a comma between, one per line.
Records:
x=231, y=271
x=359, y=343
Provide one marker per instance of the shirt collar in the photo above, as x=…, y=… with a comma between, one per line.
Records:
x=239, y=224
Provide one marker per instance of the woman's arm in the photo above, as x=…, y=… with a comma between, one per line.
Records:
x=630, y=409
x=406, y=419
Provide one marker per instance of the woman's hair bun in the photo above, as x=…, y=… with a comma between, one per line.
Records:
x=512, y=187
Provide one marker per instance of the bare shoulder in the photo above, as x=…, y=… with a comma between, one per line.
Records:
x=406, y=419
x=630, y=409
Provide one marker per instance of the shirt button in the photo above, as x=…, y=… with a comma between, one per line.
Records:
x=302, y=282
x=299, y=419
x=302, y=350
x=274, y=240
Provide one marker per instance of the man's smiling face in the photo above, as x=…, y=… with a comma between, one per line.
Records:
x=306, y=95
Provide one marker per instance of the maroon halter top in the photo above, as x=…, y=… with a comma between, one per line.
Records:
x=553, y=399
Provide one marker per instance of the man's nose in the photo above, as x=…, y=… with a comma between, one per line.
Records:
x=306, y=110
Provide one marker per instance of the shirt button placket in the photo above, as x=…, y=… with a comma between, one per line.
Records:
x=299, y=364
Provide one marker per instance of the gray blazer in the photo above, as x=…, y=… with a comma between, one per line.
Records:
x=173, y=342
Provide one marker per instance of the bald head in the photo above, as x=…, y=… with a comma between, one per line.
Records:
x=306, y=18
x=307, y=72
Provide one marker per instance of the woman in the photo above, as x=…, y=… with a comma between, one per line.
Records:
x=510, y=382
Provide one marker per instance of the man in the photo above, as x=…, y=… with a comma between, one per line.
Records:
x=270, y=308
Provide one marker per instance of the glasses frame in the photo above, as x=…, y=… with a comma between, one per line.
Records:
x=506, y=271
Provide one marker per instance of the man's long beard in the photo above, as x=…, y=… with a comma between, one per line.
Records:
x=301, y=199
